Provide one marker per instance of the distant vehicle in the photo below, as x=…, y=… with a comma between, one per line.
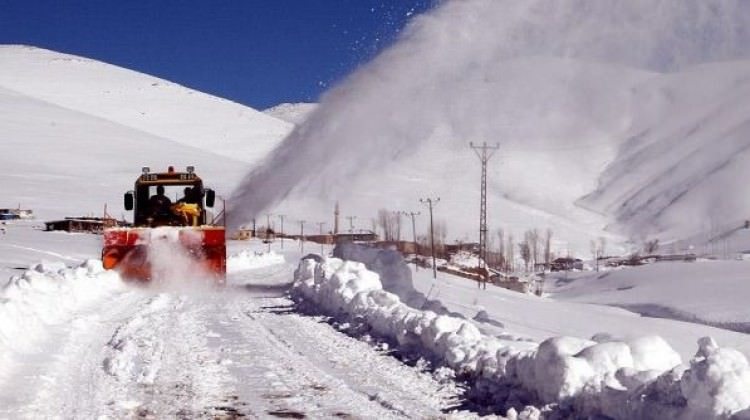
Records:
x=183, y=224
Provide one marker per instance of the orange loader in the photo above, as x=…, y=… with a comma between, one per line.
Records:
x=182, y=224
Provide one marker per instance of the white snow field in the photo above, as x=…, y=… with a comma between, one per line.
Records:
x=706, y=292
x=628, y=369
x=77, y=342
x=76, y=132
x=152, y=105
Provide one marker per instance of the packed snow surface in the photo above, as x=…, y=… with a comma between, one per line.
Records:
x=76, y=341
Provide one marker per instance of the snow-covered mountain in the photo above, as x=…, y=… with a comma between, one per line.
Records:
x=133, y=99
x=75, y=132
x=619, y=117
x=295, y=113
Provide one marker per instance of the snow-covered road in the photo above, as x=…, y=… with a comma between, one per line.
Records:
x=240, y=350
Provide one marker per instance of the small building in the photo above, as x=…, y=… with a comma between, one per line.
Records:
x=404, y=247
x=17, y=213
x=94, y=225
x=361, y=236
x=566, y=264
x=325, y=239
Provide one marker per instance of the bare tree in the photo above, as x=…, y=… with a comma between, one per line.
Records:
x=390, y=223
x=651, y=246
x=510, y=260
x=383, y=221
x=396, y=223
x=498, y=251
x=525, y=254
x=595, y=253
x=501, y=241
x=602, y=246
x=441, y=232
x=533, y=240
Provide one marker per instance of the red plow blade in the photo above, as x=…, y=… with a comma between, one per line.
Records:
x=129, y=250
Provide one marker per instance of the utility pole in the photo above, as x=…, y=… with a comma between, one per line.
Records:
x=431, y=203
x=351, y=223
x=484, y=157
x=413, y=235
x=302, y=235
x=268, y=230
x=320, y=230
x=336, y=219
x=281, y=216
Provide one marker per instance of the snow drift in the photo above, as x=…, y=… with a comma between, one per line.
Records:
x=640, y=378
x=567, y=88
x=250, y=260
x=47, y=294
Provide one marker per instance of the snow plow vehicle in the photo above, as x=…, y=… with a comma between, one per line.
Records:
x=165, y=232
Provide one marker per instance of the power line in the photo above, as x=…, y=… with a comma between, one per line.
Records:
x=484, y=153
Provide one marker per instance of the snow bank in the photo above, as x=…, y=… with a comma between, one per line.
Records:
x=395, y=275
x=642, y=378
x=250, y=260
x=464, y=260
x=47, y=294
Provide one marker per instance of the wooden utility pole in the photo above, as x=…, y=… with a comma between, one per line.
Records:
x=268, y=230
x=413, y=235
x=484, y=153
x=351, y=223
x=302, y=236
x=431, y=203
x=320, y=230
x=336, y=219
x=281, y=233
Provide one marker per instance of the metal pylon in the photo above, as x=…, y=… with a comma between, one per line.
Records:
x=484, y=153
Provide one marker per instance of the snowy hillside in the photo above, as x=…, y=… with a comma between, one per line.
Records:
x=60, y=162
x=295, y=113
x=76, y=133
x=684, y=161
x=144, y=102
x=606, y=128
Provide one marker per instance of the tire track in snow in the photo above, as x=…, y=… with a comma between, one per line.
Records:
x=295, y=365
x=160, y=364
x=224, y=354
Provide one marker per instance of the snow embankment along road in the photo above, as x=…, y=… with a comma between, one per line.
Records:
x=79, y=343
x=639, y=378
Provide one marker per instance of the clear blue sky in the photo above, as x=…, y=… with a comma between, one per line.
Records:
x=256, y=52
